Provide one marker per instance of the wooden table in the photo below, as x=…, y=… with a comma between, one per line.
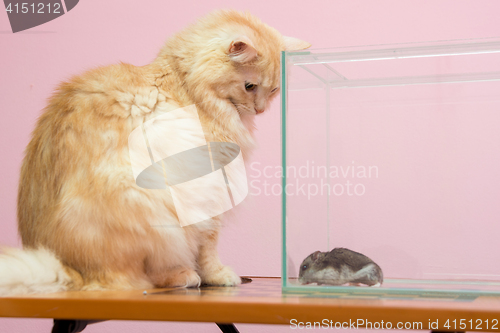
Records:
x=262, y=302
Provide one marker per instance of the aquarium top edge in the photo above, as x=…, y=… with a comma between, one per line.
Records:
x=394, y=51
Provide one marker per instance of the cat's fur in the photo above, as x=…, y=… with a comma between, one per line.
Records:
x=82, y=217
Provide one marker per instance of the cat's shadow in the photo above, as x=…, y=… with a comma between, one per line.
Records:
x=204, y=290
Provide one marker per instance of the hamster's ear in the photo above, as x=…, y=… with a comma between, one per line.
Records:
x=241, y=49
x=294, y=44
x=315, y=255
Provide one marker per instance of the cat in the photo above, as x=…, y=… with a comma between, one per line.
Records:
x=83, y=221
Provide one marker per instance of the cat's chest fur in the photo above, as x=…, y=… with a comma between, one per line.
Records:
x=146, y=106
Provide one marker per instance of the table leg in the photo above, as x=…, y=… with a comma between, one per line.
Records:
x=227, y=328
x=76, y=326
x=71, y=326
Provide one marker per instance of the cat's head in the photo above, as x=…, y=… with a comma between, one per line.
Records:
x=233, y=57
x=251, y=77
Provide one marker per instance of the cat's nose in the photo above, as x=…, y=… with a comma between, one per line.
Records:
x=259, y=111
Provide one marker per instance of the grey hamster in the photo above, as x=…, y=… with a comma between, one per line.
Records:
x=338, y=267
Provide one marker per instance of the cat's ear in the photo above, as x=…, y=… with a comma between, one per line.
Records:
x=242, y=50
x=294, y=44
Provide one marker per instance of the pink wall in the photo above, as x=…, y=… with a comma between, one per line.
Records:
x=103, y=32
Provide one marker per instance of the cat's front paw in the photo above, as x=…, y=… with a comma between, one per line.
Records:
x=178, y=277
x=224, y=276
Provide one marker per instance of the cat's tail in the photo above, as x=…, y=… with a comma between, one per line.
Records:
x=34, y=271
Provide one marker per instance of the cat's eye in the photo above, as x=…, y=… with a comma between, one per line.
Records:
x=250, y=86
x=274, y=90
x=304, y=267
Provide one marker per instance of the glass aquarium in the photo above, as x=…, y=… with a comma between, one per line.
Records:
x=393, y=151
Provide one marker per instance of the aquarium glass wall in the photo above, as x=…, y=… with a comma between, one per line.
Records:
x=393, y=151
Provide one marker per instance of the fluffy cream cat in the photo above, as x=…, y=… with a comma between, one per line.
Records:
x=84, y=222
